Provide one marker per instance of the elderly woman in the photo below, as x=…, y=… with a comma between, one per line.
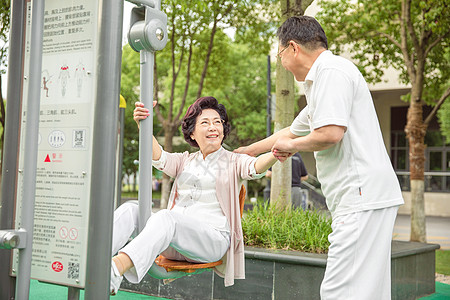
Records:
x=202, y=222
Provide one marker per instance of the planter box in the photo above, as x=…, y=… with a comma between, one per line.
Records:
x=413, y=269
x=276, y=274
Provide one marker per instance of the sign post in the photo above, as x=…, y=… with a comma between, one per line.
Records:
x=107, y=95
x=11, y=144
x=67, y=139
x=31, y=145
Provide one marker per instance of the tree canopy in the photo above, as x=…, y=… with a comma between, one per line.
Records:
x=5, y=9
x=373, y=33
x=5, y=18
x=216, y=48
x=196, y=54
x=129, y=90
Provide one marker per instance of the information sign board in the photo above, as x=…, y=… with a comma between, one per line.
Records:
x=65, y=141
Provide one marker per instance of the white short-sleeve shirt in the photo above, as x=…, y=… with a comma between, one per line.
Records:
x=356, y=174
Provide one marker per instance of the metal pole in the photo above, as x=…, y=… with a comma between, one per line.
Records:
x=145, y=139
x=11, y=146
x=108, y=70
x=146, y=132
x=148, y=33
x=150, y=3
x=31, y=148
x=73, y=293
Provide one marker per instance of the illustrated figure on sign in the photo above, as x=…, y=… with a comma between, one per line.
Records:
x=46, y=81
x=64, y=76
x=80, y=73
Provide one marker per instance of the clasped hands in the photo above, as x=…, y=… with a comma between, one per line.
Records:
x=283, y=149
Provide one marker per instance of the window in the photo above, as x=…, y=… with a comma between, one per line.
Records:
x=400, y=158
x=399, y=151
x=437, y=161
x=437, y=153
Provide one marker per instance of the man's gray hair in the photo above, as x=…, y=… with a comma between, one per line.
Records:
x=303, y=30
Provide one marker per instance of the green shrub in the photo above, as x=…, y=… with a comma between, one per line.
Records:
x=291, y=229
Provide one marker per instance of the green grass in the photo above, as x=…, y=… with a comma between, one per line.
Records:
x=291, y=229
x=130, y=194
x=443, y=262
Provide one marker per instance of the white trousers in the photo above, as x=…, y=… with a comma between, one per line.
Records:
x=172, y=234
x=359, y=257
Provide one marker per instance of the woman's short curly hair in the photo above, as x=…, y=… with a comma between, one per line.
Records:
x=189, y=120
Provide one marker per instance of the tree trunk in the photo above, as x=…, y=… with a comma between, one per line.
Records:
x=165, y=191
x=418, y=228
x=2, y=120
x=168, y=146
x=415, y=132
x=208, y=56
x=280, y=191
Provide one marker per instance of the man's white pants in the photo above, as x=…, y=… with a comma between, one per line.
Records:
x=359, y=257
x=172, y=234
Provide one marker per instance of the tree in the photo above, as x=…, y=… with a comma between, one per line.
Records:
x=194, y=27
x=5, y=9
x=242, y=89
x=413, y=37
x=280, y=192
x=232, y=63
x=444, y=120
x=129, y=89
x=444, y=111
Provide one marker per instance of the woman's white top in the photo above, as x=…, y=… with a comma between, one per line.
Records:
x=196, y=189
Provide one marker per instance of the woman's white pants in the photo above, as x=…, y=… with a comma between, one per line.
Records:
x=359, y=257
x=172, y=234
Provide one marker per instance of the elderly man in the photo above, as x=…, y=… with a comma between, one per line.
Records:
x=340, y=125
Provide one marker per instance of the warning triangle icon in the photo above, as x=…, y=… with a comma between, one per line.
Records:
x=47, y=159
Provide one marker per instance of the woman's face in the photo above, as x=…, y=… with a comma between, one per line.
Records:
x=208, y=132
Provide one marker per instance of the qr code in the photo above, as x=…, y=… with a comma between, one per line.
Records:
x=73, y=271
x=79, y=138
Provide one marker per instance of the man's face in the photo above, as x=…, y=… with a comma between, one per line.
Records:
x=283, y=52
x=280, y=52
x=286, y=53
x=292, y=58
